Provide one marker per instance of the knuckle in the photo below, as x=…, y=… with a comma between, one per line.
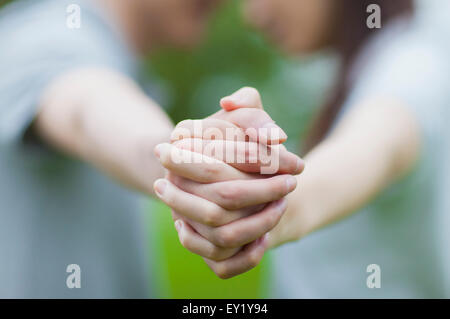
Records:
x=221, y=271
x=213, y=218
x=185, y=143
x=182, y=130
x=226, y=237
x=252, y=90
x=175, y=179
x=229, y=196
x=210, y=146
x=257, y=115
x=214, y=253
x=210, y=171
x=254, y=259
x=184, y=123
x=261, y=113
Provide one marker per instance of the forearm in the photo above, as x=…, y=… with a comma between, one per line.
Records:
x=371, y=148
x=103, y=118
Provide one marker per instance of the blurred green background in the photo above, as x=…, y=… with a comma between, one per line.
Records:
x=192, y=83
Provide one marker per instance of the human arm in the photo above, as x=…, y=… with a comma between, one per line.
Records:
x=221, y=210
x=102, y=117
x=373, y=145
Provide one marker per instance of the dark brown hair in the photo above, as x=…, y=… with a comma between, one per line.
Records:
x=351, y=35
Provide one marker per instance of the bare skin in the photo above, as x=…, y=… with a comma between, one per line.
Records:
x=103, y=118
x=388, y=142
x=326, y=193
x=381, y=134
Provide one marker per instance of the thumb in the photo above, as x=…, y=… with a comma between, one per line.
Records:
x=256, y=123
x=244, y=109
x=246, y=97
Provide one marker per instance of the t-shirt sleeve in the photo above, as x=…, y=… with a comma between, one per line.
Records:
x=411, y=67
x=37, y=46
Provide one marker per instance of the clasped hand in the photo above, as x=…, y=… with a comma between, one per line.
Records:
x=224, y=207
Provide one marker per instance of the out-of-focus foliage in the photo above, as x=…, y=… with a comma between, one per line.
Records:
x=193, y=82
x=233, y=56
x=3, y=2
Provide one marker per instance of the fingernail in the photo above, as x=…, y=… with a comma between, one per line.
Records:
x=178, y=225
x=157, y=150
x=300, y=165
x=229, y=103
x=281, y=205
x=160, y=186
x=291, y=182
x=264, y=240
x=275, y=132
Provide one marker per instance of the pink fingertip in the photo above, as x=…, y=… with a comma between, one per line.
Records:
x=178, y=225
x=157, y=150
x=227, y=104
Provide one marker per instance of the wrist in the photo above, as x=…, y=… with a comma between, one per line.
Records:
x=300, y=218
x=120, y=141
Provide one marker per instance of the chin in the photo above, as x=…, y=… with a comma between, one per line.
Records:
x=301, y=48
x=186, y=44
x=188, y=40
x=292, y=47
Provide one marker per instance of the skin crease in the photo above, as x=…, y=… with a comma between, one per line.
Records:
x=104, y=118
x=72, y=118
x=326, y=193
x=71, y=114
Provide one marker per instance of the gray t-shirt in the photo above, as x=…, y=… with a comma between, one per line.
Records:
x=56, y=211
x=399, y=231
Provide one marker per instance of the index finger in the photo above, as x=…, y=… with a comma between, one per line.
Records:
x=196, y=166
x=256, y=123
